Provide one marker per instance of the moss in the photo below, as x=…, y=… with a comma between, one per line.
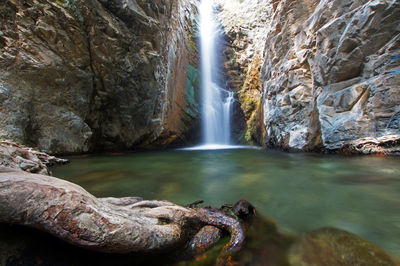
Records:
x=242, y=139
x=192, y=43
x=192, y=91
x=251, y=104
x=248, y=135
x=255, y=132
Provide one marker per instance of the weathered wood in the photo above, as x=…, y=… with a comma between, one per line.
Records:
x=110, y=225
x=18, y=156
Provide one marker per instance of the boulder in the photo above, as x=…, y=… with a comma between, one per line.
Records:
x=331, y=246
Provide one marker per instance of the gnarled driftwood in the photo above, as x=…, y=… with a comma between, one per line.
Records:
x=17, y=156
x=114, y=225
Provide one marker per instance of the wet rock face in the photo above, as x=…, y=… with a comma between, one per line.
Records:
x=330, y=74
x=245, y=25
x=324, y=72
x=76, y=76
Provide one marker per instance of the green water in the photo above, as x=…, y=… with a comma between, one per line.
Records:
x=300, y=191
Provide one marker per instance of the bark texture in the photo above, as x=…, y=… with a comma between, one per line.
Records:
x=113, y=225
x=17, y=156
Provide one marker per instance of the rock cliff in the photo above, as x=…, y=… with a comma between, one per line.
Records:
x=331, y=73
x=78, y=76
x=329, y=69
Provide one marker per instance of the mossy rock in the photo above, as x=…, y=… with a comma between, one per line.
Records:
x=331, y=246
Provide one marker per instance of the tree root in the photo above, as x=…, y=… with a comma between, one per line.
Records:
x=111, y=225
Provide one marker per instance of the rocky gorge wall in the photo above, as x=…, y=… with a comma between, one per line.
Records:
x=245, y=29
x=78, y=76
x=329, y=69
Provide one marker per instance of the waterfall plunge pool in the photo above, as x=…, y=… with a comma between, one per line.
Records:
x=300, y=192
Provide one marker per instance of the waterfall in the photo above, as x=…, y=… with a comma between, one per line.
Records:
x=227, y=116
x=216, y=101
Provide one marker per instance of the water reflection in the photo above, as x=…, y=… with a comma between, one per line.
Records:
x=300, y=191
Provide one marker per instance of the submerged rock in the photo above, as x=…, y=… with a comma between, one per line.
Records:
x=76, y=76
x=331, y=246
x=266, y=246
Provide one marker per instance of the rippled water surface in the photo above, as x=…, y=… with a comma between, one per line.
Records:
x=300, y=191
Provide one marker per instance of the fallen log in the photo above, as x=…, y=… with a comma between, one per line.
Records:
x=111, y=225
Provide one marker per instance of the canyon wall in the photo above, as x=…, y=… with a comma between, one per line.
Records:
x=329, y=70
x=78, y=76
x=331, y=73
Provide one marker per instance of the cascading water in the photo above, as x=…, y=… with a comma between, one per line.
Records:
x=227, y=116
x=216, y=102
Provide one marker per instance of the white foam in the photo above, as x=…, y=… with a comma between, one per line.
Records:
x=209, y=147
